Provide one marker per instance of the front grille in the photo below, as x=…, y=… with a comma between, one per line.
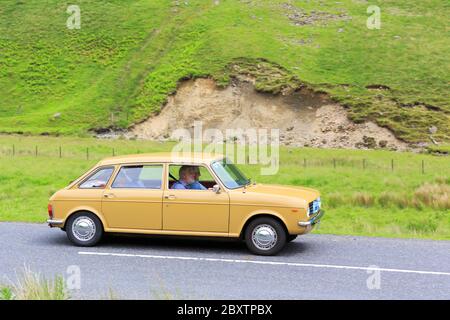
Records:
x=314, y=207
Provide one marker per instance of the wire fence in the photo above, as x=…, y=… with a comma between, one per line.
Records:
x=86, y=153
x=362, y=164
x=423, y=166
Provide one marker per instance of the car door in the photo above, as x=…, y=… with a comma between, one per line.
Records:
x=134, y=198
x=88, y=193
x=195, y=210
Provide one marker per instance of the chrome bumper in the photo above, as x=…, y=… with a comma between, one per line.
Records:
x=313, y=221
x=53, y=222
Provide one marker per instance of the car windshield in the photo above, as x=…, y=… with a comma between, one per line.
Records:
x=229, y=174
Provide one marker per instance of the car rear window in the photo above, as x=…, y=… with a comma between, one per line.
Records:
x=98, y=180
x=140, y=176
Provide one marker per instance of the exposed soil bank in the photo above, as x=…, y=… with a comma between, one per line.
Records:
x=305, y=118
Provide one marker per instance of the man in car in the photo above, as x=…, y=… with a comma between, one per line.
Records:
x=196, y=184
x=188, y=179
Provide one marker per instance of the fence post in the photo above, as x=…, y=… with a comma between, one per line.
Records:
x=304, y=162
x=60, y=152
x=14, y=150
x=113, y=153
x=36, y=151
x=423, y=166
x=87, y=153
x=392, y=164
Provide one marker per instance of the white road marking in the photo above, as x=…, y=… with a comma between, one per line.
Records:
x=276, y=263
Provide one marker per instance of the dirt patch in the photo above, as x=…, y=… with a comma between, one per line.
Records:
x=304, y=117
x=299, y=17
x=377, y=87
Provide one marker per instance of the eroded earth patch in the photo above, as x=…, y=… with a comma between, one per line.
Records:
x=304, y=117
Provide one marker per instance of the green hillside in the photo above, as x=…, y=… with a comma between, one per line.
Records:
x=129, y=55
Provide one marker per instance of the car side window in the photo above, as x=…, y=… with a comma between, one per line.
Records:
x=191, y=177
x=139, y=176
x=98, y=180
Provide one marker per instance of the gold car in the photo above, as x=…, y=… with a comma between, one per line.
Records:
x=193, y=195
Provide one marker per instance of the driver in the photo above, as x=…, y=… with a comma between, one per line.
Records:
x=188, y=179
x=196, y=184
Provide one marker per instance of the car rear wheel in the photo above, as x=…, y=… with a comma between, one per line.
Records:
x=84, y=229
x=291, y=237
x=265, y=236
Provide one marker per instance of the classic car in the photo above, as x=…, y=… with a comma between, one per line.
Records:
x=144, y=194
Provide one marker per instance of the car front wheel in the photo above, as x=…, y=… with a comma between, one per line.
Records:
x=265, y=236
x=84, y=229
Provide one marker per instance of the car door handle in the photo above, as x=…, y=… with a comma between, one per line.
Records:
x=108, y=195
x=169, y=196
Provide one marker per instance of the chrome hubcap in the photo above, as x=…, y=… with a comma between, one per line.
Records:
x=83, y=228
x=264, y=237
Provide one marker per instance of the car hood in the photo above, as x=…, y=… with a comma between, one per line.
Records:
x=306, y=194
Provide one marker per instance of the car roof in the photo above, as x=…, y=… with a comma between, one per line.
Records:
x=169, y=157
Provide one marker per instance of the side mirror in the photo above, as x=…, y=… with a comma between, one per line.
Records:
x=216, y=188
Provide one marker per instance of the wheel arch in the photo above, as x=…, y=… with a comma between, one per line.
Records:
x=261, y=215
x=82, y=209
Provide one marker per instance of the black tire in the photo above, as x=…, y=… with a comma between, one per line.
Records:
x=270, y=225
x=93, y=237
x=291, y=237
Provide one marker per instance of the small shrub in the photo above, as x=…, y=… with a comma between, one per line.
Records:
x=334, y=200
x=422, y=226
x=442, y=180
x=31, y=286
x=363, y=199
x=388, y=199
x=434, y=195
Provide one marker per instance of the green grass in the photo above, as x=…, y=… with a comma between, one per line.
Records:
x=126, y=59
x=32, y=286
x=362, y=195
x=439, y=149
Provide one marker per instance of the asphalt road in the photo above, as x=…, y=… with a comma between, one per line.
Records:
x=311, y=267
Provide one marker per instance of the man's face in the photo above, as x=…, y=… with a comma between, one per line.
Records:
x=196, y=172
x=189, y=176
